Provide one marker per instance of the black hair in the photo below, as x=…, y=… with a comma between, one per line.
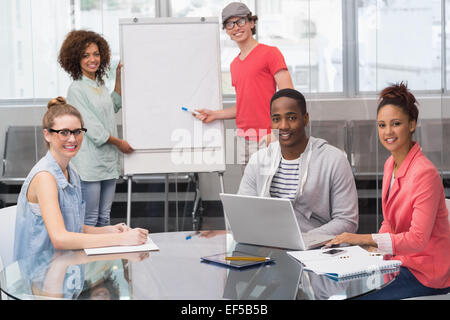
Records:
x=399, y=95
x=293, y=94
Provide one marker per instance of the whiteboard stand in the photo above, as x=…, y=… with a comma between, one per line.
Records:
x=129, y=178
x=197, y=200
x=170, y=63
x=166, y=202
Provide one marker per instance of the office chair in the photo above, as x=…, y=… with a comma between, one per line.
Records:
x=333, y=131
x=367, y=155
x=24, y=146
x=431, y=139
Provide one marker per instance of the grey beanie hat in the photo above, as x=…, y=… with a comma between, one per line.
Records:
x=235, y=9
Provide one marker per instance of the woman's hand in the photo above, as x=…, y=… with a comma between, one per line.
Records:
x=118, y=85
x=120, y=227
x=125, y=147
x=353, y=239
x=133, y=237
x=122, y=145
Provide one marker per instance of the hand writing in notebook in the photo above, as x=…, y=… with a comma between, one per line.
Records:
x=120, y=227
x=130, y=236
x=135, y=236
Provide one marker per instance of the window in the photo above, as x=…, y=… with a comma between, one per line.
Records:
x=447, y=42
x=399, y=40
x=33, y=31
x=213, y=8
x=309, y=34
x=103, y=16
x=392, y=40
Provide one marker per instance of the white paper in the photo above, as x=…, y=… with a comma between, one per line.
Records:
x=354, y=261
x=316, y=255
x=148, y=246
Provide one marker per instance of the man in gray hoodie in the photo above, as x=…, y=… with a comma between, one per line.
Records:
x=313, y=174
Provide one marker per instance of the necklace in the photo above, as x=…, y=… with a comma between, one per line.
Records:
x=97, y=90
x=395, y=169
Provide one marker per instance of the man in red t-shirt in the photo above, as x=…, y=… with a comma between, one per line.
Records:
x=255, y=73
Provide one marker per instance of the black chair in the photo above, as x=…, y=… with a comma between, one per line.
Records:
x=335, y=132
x=367, y=155
x=24, y=146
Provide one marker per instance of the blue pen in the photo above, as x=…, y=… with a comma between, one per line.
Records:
x=190, y=110
x=192, y=234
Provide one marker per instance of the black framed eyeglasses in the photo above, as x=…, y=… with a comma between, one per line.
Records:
x=240, y=22
x=65, y=133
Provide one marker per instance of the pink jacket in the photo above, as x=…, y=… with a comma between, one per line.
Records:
x=416, y=217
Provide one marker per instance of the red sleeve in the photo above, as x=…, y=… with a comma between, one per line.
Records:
x=425, y=204
x=275, y=61
x=385, y=227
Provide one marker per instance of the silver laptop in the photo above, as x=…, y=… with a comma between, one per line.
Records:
x=267, y=222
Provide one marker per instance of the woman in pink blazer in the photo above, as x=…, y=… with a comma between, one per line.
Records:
x=416, y=228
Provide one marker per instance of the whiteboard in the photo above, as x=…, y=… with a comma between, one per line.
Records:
x=169, y=63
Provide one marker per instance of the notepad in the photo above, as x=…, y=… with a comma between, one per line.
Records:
x=148, y=246
x=355, y=261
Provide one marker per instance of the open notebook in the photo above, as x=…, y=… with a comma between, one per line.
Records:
x=355, y=261
x=148, y=246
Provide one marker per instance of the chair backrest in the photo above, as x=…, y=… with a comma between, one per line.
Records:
x=446, y=146
x=333, y=131
x=367, y=154
x=429, y=133
x=7, y=228
x=24, y=146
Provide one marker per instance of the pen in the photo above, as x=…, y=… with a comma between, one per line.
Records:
x=238, y=258
x=189, y=110
x=192, y=234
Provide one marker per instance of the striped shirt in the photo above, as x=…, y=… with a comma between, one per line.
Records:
x=286, y=179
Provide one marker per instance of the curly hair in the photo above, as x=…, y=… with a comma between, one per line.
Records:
x=72, y=51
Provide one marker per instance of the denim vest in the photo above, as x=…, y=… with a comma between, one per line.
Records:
x=31, y=235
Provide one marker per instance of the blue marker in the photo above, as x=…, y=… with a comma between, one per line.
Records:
x=190, y=110
x=192, y=235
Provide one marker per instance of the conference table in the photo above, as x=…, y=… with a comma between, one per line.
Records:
x=175, y=272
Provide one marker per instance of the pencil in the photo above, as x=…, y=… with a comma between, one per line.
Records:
x=242, y=258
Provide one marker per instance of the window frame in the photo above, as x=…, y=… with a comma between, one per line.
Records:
x=350, y=58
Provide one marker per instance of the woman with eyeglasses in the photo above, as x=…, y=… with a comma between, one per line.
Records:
x=415, y=229
x=85, y=55
x=50, y=209
x=256, y=72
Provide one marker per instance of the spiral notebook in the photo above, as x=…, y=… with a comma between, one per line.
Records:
x=355, y=261
x=362, y=275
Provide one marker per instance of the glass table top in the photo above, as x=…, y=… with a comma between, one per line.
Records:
x=175, y=272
